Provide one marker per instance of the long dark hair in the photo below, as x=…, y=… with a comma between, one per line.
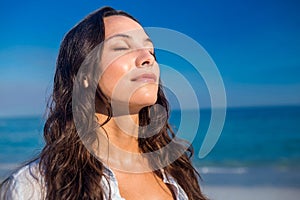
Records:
x=70, y=171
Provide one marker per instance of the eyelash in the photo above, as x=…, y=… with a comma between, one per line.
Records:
x=153, y=54
x=124, y=48
x=120, y=48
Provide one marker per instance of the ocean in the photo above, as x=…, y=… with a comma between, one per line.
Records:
x=258, y=145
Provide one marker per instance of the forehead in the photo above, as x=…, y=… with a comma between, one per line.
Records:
x=117, y=24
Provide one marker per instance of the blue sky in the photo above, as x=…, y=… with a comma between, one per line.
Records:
x=255, y=44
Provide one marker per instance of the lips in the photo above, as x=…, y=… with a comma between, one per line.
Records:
x=147, y=77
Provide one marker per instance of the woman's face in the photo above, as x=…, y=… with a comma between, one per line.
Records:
x=130, y=72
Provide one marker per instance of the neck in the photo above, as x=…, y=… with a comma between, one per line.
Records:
x=118, y=142
x=122, y=131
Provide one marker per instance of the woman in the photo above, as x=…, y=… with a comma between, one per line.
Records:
x=95, y=156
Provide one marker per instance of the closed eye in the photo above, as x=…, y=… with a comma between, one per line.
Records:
x=120, y=48
x=153, y=54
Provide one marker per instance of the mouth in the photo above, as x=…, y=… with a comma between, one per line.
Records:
x=145, y=78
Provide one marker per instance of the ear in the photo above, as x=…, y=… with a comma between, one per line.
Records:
x=85, y=82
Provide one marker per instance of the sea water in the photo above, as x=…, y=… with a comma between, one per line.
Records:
x=258, y=145
x=20, y=140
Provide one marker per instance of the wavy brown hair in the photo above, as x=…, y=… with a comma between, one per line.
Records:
x=70, y=171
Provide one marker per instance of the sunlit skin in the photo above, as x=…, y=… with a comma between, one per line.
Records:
x=130, y=79
x=129, y=64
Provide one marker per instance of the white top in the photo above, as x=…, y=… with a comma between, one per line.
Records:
x=28, y=184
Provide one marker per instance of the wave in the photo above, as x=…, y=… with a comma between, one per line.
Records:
x=222, y=170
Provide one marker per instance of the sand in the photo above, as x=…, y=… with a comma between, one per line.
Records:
x=251, y=193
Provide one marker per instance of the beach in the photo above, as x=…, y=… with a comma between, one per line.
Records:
x=251, y=193
x=250, y=183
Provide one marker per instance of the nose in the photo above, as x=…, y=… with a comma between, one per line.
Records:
x=145, y=58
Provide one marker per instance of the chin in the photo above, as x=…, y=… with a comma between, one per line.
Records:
x=142, y=98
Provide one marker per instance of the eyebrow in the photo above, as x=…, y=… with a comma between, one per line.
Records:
x=126, y=36
x=118, y=35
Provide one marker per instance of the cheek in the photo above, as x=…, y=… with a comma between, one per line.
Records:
x=116, y=84
x=112, y=77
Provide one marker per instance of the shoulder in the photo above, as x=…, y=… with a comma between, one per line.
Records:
x=26, y=183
